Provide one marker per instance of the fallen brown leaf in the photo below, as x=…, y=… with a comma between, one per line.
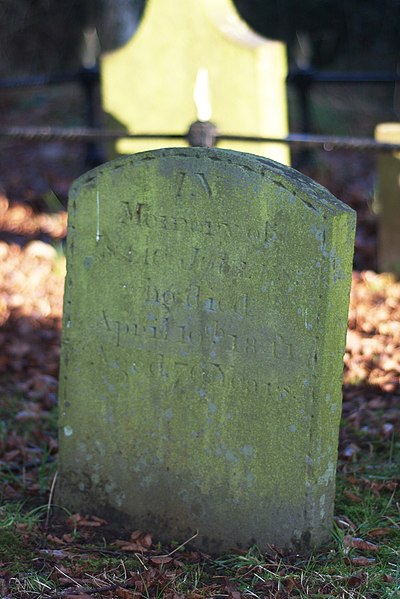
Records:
x=352, y=496
x=139, y=542
x=358, y=543
x=144, y=538
x=356, y=580
x=362, y=561
x=133, y=547
x=89, y=522
x=76, y=520
x=55, y=539
x=126, y=594
x=380, y=532
x=161, y=559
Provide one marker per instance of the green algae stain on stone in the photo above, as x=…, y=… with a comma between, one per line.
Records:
x=204, y=323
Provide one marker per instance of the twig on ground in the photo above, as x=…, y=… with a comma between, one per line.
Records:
x=51, y=494
x=177, y=548
x=67, y=576
x=93, y=590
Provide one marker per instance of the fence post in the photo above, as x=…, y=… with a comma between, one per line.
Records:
x=302, y=79
x=90, y=80
x=387, y=199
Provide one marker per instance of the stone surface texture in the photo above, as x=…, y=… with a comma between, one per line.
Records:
x=204, y=325
x=388, y=200
x=148, y=84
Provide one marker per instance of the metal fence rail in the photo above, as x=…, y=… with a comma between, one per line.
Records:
x=84, y=134
x=84, y=75
x=302, y=79
x=311, y=76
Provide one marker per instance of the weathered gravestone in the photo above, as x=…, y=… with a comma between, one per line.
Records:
x=388, y=199
x=148, y=84
x=204, y=324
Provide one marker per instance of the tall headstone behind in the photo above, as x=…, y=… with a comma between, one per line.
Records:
x=204, y=322
x=388, y=200
x=148, y=84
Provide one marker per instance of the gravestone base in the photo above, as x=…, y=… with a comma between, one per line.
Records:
x=205, y=315
x=212, y=531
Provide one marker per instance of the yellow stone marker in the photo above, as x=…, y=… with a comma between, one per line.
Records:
x=388, y=199
x=148, y=84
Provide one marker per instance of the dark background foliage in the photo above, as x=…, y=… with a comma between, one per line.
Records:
x=40, y=35
x=46, y=35
x=343, y=33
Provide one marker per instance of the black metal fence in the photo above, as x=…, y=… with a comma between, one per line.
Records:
x=303, y=81
x=88, y=80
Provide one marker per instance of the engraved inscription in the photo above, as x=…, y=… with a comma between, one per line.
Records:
x=203, y=180
x=146, y=218
x=194, y=296
x=214, y=337
x=218, y=262
x=176, y=374
x=189, y=185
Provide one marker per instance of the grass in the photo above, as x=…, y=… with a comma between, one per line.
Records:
x=362, y=560
x=34, y=464
x=333, y=572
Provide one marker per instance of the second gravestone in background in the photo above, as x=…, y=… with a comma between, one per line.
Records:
x=148, y=84
x=204, y=324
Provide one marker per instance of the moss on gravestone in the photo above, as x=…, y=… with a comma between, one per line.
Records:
x=204, y=325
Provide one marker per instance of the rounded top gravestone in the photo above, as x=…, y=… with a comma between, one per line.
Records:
x=204, y=323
